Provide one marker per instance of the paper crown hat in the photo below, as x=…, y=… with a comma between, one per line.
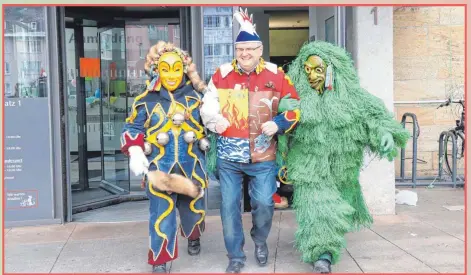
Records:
x=247, y=31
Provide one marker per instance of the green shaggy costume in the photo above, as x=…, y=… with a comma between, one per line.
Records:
x=326, y=152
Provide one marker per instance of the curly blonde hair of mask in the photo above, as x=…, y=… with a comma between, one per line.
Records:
x=161, y=47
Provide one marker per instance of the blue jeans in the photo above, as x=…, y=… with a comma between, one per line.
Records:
x=262, y=186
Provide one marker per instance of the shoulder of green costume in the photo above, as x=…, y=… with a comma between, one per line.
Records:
x=225, y=69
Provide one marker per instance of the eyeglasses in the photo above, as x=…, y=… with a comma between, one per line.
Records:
x=249, y=50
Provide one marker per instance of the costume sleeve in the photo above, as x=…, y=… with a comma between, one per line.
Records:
x=378, y=121
x=210, y=109
x=134, y=130
x=287, y=120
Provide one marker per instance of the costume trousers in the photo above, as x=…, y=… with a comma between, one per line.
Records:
x=163, y=223
x=262, y=186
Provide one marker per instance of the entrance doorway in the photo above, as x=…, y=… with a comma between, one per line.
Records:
x=105, y=71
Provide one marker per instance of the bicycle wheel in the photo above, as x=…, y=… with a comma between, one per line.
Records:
x=448, y=147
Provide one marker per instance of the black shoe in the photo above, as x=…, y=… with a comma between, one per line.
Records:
x=322, y=267
x=194, y=247
x=234, y=267
x=161, y=268
x=261, y=254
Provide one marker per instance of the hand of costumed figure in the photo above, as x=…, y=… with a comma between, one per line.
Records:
x=387, y=144
x=138, y=162
x=288, y=104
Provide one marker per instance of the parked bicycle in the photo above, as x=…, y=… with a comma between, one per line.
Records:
x=455, y=138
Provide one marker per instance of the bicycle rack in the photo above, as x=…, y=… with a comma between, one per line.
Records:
x=441, y=154
x=415, y=135
x=414, y=178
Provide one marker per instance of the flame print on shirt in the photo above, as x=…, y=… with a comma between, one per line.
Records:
x=234, y=106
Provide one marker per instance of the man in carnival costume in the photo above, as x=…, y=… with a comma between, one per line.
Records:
x=241, y=107
x=339, y=120
x=164, y=134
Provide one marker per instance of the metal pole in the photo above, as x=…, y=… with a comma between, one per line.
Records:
x=440, y=154
x=454, y=153
x=414, y=150
x=341, y=26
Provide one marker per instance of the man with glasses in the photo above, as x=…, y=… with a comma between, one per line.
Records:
x=241, y=106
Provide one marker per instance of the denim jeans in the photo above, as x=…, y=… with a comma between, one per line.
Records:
x=262, y=186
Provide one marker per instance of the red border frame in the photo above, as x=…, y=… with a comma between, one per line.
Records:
x=244, y=5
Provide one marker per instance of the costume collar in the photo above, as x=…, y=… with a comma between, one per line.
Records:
x=178, y=93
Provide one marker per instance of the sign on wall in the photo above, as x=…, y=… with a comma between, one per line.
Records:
x=28, y=186
x=27, y=157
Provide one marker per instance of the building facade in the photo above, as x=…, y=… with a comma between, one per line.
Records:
x=71, y=75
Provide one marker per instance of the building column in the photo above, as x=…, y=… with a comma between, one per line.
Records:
x=372, y=50
x=196, y=30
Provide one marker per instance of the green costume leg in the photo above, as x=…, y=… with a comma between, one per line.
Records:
x=347, y=177
x=323, y=219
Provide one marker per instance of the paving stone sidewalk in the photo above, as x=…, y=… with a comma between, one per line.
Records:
x=427, y=238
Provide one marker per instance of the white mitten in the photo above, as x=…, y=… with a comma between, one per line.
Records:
x=138, y=161
x=222, y=125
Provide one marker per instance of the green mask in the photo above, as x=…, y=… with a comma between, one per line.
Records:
x=315, y=69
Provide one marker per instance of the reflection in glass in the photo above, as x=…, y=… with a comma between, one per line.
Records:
x=218, y=49
x=114, y=104
x=26, y=58
x=139, y=38
x=217, y=38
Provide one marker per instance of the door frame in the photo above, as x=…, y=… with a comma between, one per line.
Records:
x=115, y=194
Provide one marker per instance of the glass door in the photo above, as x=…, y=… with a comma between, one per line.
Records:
x=114, y=106
x=85, y=114
x=140, y=36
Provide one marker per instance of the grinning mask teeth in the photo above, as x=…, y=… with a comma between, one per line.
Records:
x=170, y=70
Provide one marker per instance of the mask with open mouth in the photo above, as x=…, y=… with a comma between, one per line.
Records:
x=170, y=70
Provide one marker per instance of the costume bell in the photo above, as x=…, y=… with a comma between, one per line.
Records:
x=164, y=133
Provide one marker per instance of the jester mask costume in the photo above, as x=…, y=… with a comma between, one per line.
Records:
x=164, y=133
x=339, y=121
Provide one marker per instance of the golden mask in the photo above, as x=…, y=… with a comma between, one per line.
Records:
x=170, y=70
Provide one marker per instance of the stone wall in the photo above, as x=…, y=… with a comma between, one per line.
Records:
x=429, y=66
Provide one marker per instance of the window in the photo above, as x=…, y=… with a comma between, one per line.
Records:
x=28, y=45
x=7, y=68
x=141, y=51
x=8, y=91
x=31, y=67
x=217, y=49
x=28, y=67
x=176, y=32
x=217, y=38
x=224, y=9
x=330, y=30
x=208, y=50
x=8, y=45
x=212, y=21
